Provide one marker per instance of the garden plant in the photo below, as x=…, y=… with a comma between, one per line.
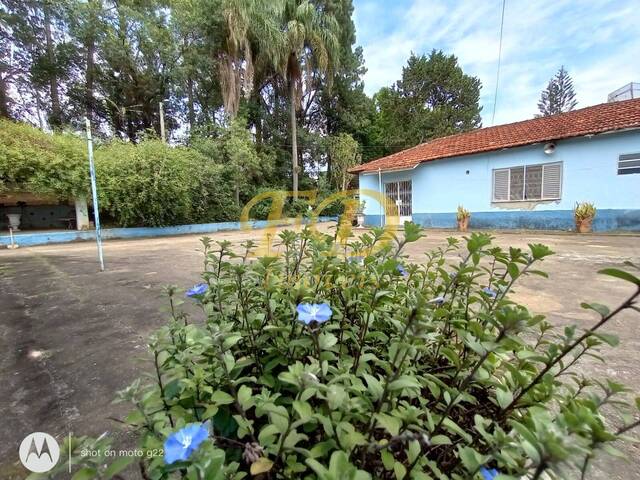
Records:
x=339, y=359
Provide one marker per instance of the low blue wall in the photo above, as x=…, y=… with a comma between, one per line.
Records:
x=606, y=220
x=44, y=238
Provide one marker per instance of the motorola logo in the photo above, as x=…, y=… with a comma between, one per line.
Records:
x=39, y=452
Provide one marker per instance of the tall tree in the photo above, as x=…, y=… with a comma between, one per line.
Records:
x=559, y=95
x=434, y=98
x=309, y=46
x=345, y=153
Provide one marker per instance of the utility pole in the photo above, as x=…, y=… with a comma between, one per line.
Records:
x=162, y=134
x=94, y=193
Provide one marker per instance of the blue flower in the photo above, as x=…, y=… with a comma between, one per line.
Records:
x=402, y=271
x=314, y=312
x=181, y=444
x=491, y=293
x=198, y=289
x=489, y=473
x=438, y=300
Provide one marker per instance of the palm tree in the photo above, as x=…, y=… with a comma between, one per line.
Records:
x=252, y=36
x=292, y=37
x=309, y=44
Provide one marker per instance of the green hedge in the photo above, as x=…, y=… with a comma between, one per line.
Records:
x=152, y=184
x=34, y=161
x=146, y=184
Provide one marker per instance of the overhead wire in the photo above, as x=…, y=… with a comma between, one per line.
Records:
x=495, y=97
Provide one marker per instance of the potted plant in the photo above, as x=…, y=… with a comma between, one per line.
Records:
x=584, y=214
x=360, y=214
x=463, y=217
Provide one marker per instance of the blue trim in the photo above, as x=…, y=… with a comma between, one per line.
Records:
x=606, y=220
x=45, y=238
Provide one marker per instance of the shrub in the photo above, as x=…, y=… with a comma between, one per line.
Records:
x=153, y=184
x=35, y=161
x=462, y=213
x=584, y=210
x=317, y=365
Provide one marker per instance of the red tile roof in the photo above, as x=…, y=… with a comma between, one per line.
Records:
x=605, y=117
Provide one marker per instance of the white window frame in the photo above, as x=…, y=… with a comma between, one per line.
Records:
x=524, y=186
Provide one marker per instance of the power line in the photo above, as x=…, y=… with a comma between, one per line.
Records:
x=495, y=97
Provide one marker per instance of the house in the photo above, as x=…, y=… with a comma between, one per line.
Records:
x=527, y=174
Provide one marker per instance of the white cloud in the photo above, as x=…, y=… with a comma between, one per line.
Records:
x=598, y=43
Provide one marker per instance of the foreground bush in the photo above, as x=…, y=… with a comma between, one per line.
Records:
x=347, y=362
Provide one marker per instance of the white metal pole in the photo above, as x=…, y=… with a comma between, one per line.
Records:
x=94, y=193
x=381, y=195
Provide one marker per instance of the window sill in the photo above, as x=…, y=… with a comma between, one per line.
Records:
x=528, y=200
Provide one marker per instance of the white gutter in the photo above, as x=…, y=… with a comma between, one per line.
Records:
x=391, y=170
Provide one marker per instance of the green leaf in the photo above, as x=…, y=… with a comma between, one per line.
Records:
x=455, y=428
x=268, y=434
x=614, y=272
x=539, y=251
x=303, y=409
x=389, y=423
x=244, y=397
x=262, y=465
x=504, y=397
x=400, y=470
x=373, y=386
x=86, y=473
x=387, y=459
x=469, y=458
x=440, y=440
x=405, y=381
x=221, y=398
x=327, y=340
x=117, y=466
x=608, y=338
x=603, y=310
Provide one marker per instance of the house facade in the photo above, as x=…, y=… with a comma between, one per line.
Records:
x=527, y=174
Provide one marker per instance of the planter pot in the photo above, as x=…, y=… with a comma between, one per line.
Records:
x=584, y=226
x=463, y=225
x=360, y=220
x=14, y=221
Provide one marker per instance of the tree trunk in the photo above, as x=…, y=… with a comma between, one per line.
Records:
x=294, y=137
x=192, y=112
x=237, y=195
x=90, y=45
x=4, y=99
x=56, y=112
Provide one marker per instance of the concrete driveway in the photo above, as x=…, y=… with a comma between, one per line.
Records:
x=72, y=336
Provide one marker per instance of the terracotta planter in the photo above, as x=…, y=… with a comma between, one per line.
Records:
x=584, y=225
x=463, y=224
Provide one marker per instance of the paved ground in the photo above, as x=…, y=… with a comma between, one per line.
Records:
x=70, y=336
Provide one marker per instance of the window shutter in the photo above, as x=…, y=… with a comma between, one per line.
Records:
x=552, y=180
x=501, y=185
x=628, y=164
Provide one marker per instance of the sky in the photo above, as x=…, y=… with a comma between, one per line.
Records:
x=597, y=41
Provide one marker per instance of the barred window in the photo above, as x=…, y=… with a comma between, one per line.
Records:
x=528, y=182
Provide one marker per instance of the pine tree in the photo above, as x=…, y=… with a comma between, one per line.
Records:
x=559, y=95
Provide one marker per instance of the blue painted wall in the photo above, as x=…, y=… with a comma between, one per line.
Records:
x=589, y=174
x=44, y=238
